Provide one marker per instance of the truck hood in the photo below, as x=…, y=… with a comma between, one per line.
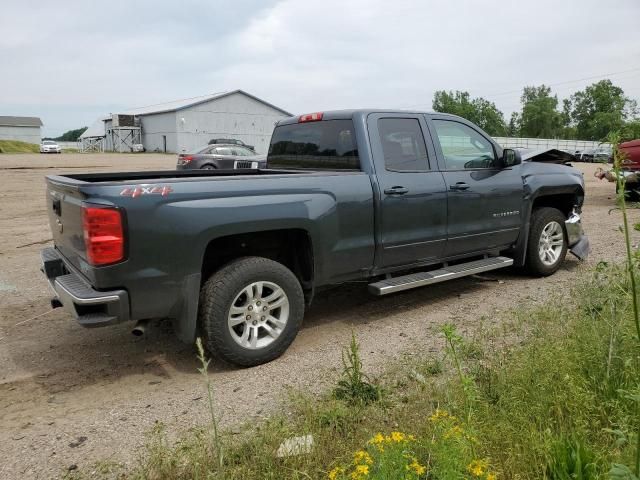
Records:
x=547, y=155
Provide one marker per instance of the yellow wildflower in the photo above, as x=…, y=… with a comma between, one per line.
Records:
x=361, y=471
x=477, y=467
x=438, y=414
x=333, y=474
x=416, y=467
x=362, y=457
x=491, y=476
x=377, y=439
x=455, y=431
x=397, y=437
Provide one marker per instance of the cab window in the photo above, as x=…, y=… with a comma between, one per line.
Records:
x=463, y=147
x=403, y=145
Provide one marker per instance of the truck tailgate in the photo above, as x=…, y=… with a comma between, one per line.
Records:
x=64, y=208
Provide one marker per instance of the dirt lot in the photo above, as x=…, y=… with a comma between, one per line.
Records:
x=73, y=396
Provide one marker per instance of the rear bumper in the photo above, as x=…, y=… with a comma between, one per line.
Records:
x=91, y=308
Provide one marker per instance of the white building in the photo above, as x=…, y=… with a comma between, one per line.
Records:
x=183, y=125
x=24, y=129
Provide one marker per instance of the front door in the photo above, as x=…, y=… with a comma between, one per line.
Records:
x=484, y=199
x=412, y=213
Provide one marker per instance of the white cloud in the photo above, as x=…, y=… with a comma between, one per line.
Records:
x=71, y=62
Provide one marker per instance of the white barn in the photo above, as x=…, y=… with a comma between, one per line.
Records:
x=24, y=129
x=184, y=125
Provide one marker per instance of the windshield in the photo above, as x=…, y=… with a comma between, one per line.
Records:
x=48, y=142
x=328, y=144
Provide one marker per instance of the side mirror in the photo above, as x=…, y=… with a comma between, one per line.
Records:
x=511, y=157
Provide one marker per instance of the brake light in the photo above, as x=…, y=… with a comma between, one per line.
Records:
x=310, y=117
x=187, y=159
x=103, y=235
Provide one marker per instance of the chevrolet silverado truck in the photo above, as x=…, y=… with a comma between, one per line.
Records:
x=397, y=199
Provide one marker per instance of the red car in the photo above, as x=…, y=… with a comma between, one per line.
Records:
x=631, y=151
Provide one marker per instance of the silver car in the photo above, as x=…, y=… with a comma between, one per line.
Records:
x=218, y=156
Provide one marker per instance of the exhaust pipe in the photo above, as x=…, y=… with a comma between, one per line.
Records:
x=140, y=328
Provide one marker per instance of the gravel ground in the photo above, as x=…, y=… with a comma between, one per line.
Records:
x=71, y=396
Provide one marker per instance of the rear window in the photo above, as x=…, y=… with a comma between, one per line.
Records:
x=324, y=145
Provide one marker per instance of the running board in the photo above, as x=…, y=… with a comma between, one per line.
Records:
x=420, y=279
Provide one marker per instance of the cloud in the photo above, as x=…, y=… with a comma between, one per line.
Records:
x=70, y=60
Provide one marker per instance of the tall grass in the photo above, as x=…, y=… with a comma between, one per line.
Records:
x=15, y=146
x=554, y=402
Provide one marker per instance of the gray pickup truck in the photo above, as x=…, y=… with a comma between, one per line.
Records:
x=398, y=199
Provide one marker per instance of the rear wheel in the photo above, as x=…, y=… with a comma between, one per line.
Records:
x=208, y=167
x=547, y=245
x=251, y=310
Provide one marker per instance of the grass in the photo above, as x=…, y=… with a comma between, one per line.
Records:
x=15, y=146
x=556, y=401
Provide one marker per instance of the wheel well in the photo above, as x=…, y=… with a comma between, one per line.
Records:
x=565, y=202
x=291, y=247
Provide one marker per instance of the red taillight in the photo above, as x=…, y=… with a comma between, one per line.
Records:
x=103, y=235
x=187, y=159
x=310, y=117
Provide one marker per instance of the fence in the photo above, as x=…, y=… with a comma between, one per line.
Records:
x=536, y=143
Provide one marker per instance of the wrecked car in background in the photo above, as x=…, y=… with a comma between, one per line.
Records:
x=630, y=170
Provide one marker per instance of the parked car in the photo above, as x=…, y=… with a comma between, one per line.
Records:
x=399, y=200
x=230, y=141
x=221, y=156
x=49, y=146
x=602, y=154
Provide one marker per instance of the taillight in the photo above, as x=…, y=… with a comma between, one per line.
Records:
x=187, y=159
x=310, y=117
x=103, y=235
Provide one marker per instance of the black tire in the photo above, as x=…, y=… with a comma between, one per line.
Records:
x=219, y=292
x=208, y=166
x=541, y=218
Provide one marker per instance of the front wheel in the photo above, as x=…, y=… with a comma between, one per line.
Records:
x=251, y=311
x=547, y=245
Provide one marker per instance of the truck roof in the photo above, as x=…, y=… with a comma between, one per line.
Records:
x=352, y=113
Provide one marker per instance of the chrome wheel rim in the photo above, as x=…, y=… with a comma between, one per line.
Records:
x=258, y=315
x=551, y=243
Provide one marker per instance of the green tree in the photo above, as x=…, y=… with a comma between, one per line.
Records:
x=540, y=117
x=599, y=109
x=482, y=112
x=71, y=135
x=513, y=130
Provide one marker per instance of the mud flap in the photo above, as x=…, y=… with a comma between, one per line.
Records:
x=582, y=248
x=185, y=323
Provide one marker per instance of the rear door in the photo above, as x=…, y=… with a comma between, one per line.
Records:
x=412, y=218
x=484, y=200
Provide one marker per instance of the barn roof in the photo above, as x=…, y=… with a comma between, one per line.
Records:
x=181, y=104
x=20, y=121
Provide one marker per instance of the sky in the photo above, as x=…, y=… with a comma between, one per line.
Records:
x=70, y=62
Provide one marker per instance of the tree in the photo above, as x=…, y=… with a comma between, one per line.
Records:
x=71, y=135
x=513, y=130
x=540, y=117
x=599, y=109
x=482, y=112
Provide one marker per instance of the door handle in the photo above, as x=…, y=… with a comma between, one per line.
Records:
x=459, y=186
x=397, y=190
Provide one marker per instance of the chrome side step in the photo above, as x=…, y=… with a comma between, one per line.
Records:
x=420, y=279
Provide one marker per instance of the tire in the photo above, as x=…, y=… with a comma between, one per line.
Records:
x=544, y=253
x=207, y=167
x=226, y=308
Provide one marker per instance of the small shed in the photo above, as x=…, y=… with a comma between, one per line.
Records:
x=24, y=129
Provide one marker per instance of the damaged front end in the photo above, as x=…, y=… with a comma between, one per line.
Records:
x=577, y=240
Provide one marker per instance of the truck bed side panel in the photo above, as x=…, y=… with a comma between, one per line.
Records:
x=168, y=235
